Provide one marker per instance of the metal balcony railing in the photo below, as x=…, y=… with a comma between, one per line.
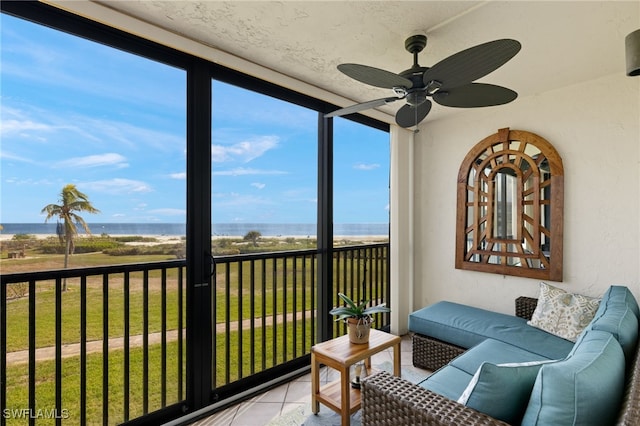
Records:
x=112, y=346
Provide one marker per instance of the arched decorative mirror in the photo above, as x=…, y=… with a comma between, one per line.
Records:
x=510, y=207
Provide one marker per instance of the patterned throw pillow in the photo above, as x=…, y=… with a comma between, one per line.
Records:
x=563, y=314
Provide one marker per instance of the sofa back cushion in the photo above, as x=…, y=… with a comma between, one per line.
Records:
x=619, y=320
x=618, y=294
x=467, y=326
x=583, y=389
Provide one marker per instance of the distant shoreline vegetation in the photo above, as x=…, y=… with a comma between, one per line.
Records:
x=218, y=229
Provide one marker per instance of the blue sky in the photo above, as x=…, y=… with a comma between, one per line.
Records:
x=112, y=123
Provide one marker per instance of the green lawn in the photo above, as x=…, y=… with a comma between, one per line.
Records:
x=243, y=361
x=18, y=396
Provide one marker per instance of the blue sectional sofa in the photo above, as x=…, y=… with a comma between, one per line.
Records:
x=492, y=368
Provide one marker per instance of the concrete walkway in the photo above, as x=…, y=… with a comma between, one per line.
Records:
x=117, y=343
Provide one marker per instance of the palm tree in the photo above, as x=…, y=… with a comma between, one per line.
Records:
x=71, y=201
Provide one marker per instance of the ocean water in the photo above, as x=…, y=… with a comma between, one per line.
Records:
x=219, y=229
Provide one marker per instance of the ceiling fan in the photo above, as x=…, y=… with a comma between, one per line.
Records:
x=448, y=83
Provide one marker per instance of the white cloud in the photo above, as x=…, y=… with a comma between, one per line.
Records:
x=179, y=175
x=98, y=160
x=22, y=126
x=12, y=157
x=244, y=151
x=29, y=181
x=118, y=186
x=37, y=125
x=258, y=185
x=362, y=166
x=241, y=171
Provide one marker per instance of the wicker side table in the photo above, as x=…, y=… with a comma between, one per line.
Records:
x=340, y=354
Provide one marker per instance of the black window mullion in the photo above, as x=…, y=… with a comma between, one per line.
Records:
x=199, y=294
x=325, y=226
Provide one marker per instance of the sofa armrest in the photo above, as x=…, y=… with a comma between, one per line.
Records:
x=525, y=307
x=390, y=400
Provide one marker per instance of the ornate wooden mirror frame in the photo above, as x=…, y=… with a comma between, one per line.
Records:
x=510, y=207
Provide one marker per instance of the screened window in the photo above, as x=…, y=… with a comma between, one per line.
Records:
x=110, y=123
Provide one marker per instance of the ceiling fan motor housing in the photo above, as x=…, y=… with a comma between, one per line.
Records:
x=415, y=43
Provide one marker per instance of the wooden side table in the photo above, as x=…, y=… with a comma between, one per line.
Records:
x=340, y=354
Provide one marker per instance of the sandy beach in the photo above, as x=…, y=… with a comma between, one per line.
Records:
x=170, y=239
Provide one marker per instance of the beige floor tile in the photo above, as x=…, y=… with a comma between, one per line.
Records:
x=223, y=418
x=298, y=392
x=273, y=395
x=256, y=413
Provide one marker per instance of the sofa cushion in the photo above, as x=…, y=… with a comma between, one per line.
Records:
x=618, y=294
x=448, y=381
x=494, y=351
x=619, y=320
x=583, y=389
x=466, y=326
x=502, y=390
x=561, y=313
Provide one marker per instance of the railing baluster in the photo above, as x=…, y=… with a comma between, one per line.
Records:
x=214, y=345
x=303, y=287
x=252, y=310
x=240, y=317
x=127, y=360
x=180, y=325
x=105, y=349
x=83, y=350
x=163, y=343
x=227, y=327
x=294, y=310
x=145, y=342
x=313, y=299
x=284, y=309
x=3, y=350
x=32, y=349
x=264, y=313
x=58, y=383
x=341, y=287
x=274, y=315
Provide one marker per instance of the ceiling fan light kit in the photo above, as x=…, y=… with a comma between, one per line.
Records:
x=450, y=82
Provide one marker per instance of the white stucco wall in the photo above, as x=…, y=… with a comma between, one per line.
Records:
x=595, y=126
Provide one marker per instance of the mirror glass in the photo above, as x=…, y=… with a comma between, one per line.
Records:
x=505, y=215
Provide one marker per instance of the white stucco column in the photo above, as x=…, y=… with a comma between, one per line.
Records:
x=401, y=219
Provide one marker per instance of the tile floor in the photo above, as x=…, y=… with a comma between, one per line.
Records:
x=276, y=402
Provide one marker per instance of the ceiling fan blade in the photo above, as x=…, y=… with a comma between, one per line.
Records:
x=475, y=95
x=374, y=76
x=409, y=115
x=468, y=65
x=360, y=107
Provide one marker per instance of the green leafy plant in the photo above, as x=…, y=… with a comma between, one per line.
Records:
x=353, y=310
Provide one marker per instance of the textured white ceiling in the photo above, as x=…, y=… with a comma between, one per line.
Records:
x=563, y=43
